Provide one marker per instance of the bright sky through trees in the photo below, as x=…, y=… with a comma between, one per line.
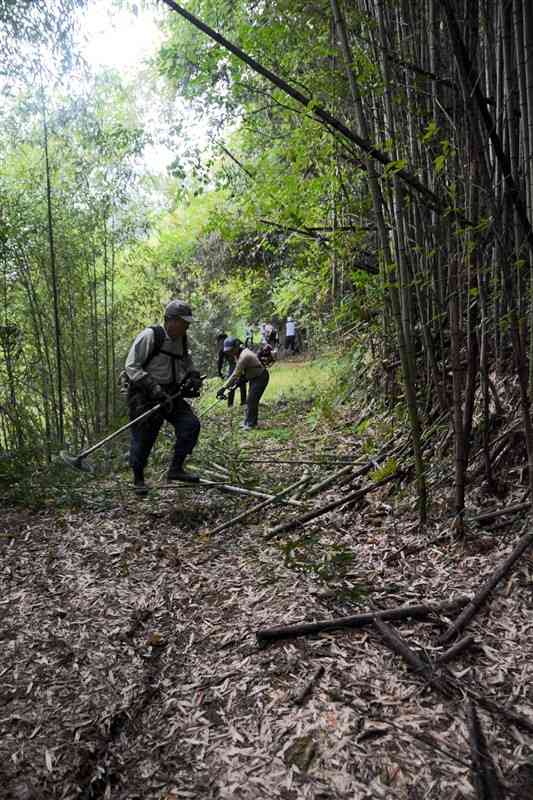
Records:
x=118, y=37
x=124, y=40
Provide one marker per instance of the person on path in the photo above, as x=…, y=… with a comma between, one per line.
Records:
x=156, y=363
x=247, y=367
x=290, y=335
x=221, y=338
x=231, y=362
x=249, y=336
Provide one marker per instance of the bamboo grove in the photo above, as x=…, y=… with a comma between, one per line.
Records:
x=431, y=102
x=378, y=169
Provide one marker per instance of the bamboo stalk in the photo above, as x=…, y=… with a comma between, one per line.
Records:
x=225, y=487
x=318, y=512
x=358, y=620
x=252, y=510
x=485, y=777
x=475, y=604
x=455, y=650
x=444, y=682
x=498, y=512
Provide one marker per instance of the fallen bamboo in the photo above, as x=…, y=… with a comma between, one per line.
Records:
x=398, y=645
x=455, y=650
x=227, y=489
x=346, y=462
x=371, y=463
x=475, y=604
x=317, y=512
x=258, y=507
x=499, y=512
x=318, y=487
x=300, y=491
x=305, y=690
x=220, y=467
x=484, y=775
x=444, y=682
x=358, y=620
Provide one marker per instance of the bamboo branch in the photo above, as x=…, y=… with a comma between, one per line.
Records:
x=475, y=604
x=226, y=488
x=455, y=650
x=398, y=645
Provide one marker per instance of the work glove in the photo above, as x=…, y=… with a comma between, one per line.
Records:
x=162, y=397
x=193, y=385
x=221, y=394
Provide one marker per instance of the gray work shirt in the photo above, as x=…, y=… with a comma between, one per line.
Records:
x=161, y=366
x=248, y=366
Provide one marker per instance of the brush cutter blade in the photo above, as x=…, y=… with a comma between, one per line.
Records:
x=75, y=462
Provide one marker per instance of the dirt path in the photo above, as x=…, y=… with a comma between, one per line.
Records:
x=130, y=667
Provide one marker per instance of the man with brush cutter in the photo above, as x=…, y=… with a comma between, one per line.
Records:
x=156, y=366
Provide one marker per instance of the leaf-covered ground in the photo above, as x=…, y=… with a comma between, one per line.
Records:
x=130, y=666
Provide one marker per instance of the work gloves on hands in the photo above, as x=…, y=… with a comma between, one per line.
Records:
x=221, y=394
x=193, y=385
x=162, y=397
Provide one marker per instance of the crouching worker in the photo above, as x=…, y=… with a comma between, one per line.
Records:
x=156, y=364
x=247, y=367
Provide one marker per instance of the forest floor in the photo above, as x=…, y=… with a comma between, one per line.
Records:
x=130, y=665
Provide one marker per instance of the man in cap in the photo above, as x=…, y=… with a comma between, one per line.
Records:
x=248, y=367
x=157, y=362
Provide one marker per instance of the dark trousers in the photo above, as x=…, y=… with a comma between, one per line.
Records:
x=181, y=417
x=231, y=394
x=290, y=343
x=257, y=387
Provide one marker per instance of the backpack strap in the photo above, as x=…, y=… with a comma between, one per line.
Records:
x=159, y=338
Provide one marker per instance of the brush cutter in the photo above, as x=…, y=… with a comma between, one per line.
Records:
x=77, y=462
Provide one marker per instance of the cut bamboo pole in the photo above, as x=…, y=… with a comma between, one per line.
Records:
x=252, y=510
x=445, y=683
x=317, y=512
x=484, y=774
x=455, y=650
x=358, y=620
x=498, y=512
x=227, y=489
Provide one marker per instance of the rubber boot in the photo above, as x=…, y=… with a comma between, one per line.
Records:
x=177, y=472
x=139, y=486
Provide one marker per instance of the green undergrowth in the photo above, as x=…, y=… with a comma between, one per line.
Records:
x=306, y=404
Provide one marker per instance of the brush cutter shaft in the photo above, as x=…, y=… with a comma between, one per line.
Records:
x=204, y=412
x=145, y=415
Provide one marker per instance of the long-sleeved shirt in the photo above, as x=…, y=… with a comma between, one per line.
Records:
x=248, y=367
x=162, y=368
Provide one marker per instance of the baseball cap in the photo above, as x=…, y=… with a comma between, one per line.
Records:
x=177, y=309
x=230, y=343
